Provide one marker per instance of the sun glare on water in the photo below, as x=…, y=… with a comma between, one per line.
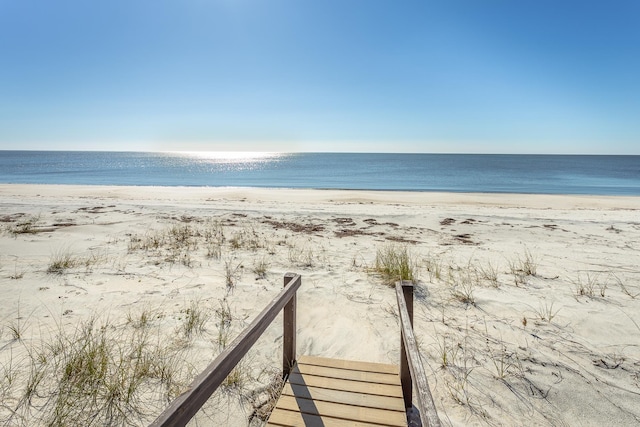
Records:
x=230, y=156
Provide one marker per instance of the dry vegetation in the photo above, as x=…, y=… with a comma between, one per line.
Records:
x=485, y=367
x=395, y=263
x=124, y=371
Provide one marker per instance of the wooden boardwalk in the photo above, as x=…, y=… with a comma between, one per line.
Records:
x=332, y=392
x=322, y=392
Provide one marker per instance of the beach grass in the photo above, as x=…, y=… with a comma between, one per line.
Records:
x=100, y=372
x=395, y=263
x=146, y=290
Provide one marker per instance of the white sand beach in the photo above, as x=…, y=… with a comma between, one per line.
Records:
x=526, y=307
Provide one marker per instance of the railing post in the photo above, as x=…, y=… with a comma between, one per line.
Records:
x=289, y=333
x=405, y=375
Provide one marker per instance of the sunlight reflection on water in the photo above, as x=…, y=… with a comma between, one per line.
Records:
x=226, y=157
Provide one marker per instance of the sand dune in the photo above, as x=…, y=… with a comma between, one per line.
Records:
x=526, y=305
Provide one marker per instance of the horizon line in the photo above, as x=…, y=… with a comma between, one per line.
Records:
x=102, y=150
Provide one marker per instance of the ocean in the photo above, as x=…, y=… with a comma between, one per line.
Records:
x=490, y=173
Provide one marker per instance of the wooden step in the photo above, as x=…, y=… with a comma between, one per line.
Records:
x=341, y=396
x=349, y=364
x=347, y=374
x=285, y=418
x=335, y=392
x=342, y=411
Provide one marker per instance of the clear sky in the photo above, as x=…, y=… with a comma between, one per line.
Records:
x=493, y=76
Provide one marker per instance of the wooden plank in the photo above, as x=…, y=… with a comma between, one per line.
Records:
x=349, y=364
x=346, y=374
x=346, y=397
x=345, y=412
x=282, y=417
x=428, y=414
x=345, y=385
x=185, y=406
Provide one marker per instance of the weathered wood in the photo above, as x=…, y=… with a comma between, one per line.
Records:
x=185, y=406
x=347, y=374
x=349, y=364
x=333, y=400
x=405, y=375
x=428, y=414
x=284, y=418
x=343, y=412
x=289, y=333
x=339, y=384
x=346, y=397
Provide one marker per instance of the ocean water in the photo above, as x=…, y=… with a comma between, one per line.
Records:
x=546, y=174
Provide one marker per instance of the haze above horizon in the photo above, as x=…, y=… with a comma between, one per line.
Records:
x=460, y=76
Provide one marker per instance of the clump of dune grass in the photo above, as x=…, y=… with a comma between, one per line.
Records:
x=302, y=255
x=180, y=242
x=28, y=225
x=589, y=285
x=433, y=265
x=232, y=272
x=213, y=231
x=238, y=378
x=97, y=373
x=463, y=283
x=174, y=244
x=503, y=361
x=260, y=268
x=92, y=259
x=224, y=320
x=61, y=261
x=151, y=240
x=16, y=329
x=447, y=352
x=143, y=318
x=246, y=237
x=488, y=272
x=194, y=318
x=394, y=263
x=64, y=259
x=214, y=250
x=546, y=312
x=524, y=265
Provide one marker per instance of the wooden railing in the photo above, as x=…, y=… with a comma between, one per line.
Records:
x=411, y=369
x=185, y=406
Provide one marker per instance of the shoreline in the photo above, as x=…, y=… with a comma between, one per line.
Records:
x=524, y=306
x=371, y=190
x=532, y=200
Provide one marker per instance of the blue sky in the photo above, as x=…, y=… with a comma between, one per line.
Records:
x=487, y=76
